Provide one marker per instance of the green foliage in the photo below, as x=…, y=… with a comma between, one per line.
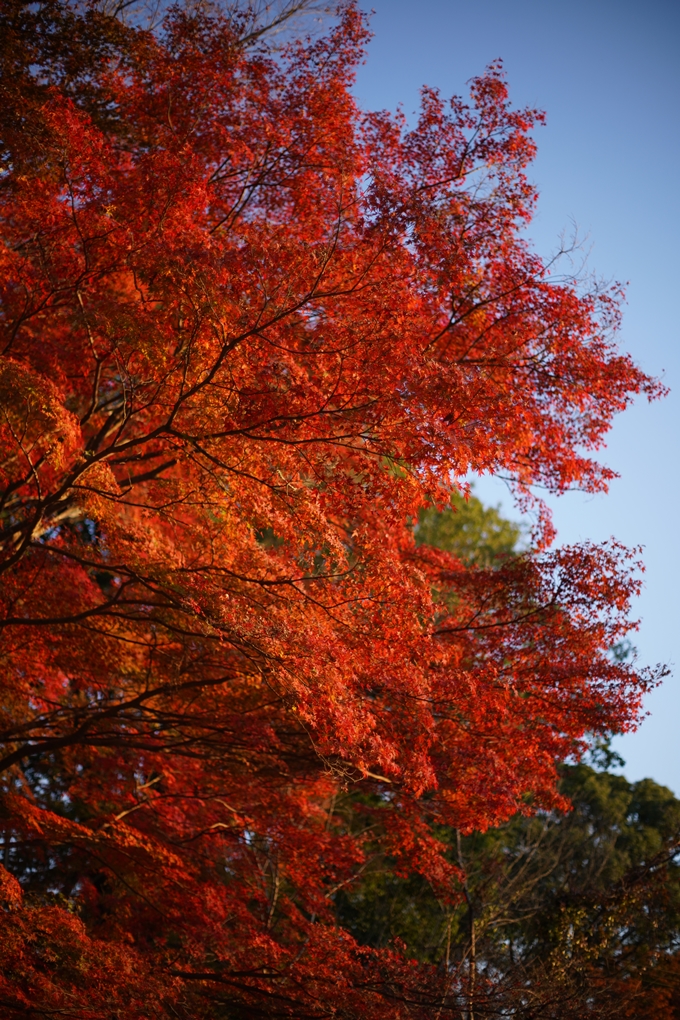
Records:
x=476, y=533
x=528, y=870
x=548, y=898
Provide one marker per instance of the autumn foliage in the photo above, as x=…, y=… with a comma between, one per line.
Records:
x=248, y=332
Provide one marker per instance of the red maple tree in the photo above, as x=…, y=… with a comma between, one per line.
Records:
x=247, y=332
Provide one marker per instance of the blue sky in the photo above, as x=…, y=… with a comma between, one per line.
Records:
x=608, y=76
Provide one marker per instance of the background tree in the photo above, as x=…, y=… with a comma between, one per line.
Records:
x=566, y=913
x=475, y=533
x=248, y=333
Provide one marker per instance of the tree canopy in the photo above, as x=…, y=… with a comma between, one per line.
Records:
x=249, y=333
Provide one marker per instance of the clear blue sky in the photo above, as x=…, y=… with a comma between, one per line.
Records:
x=607, y=72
